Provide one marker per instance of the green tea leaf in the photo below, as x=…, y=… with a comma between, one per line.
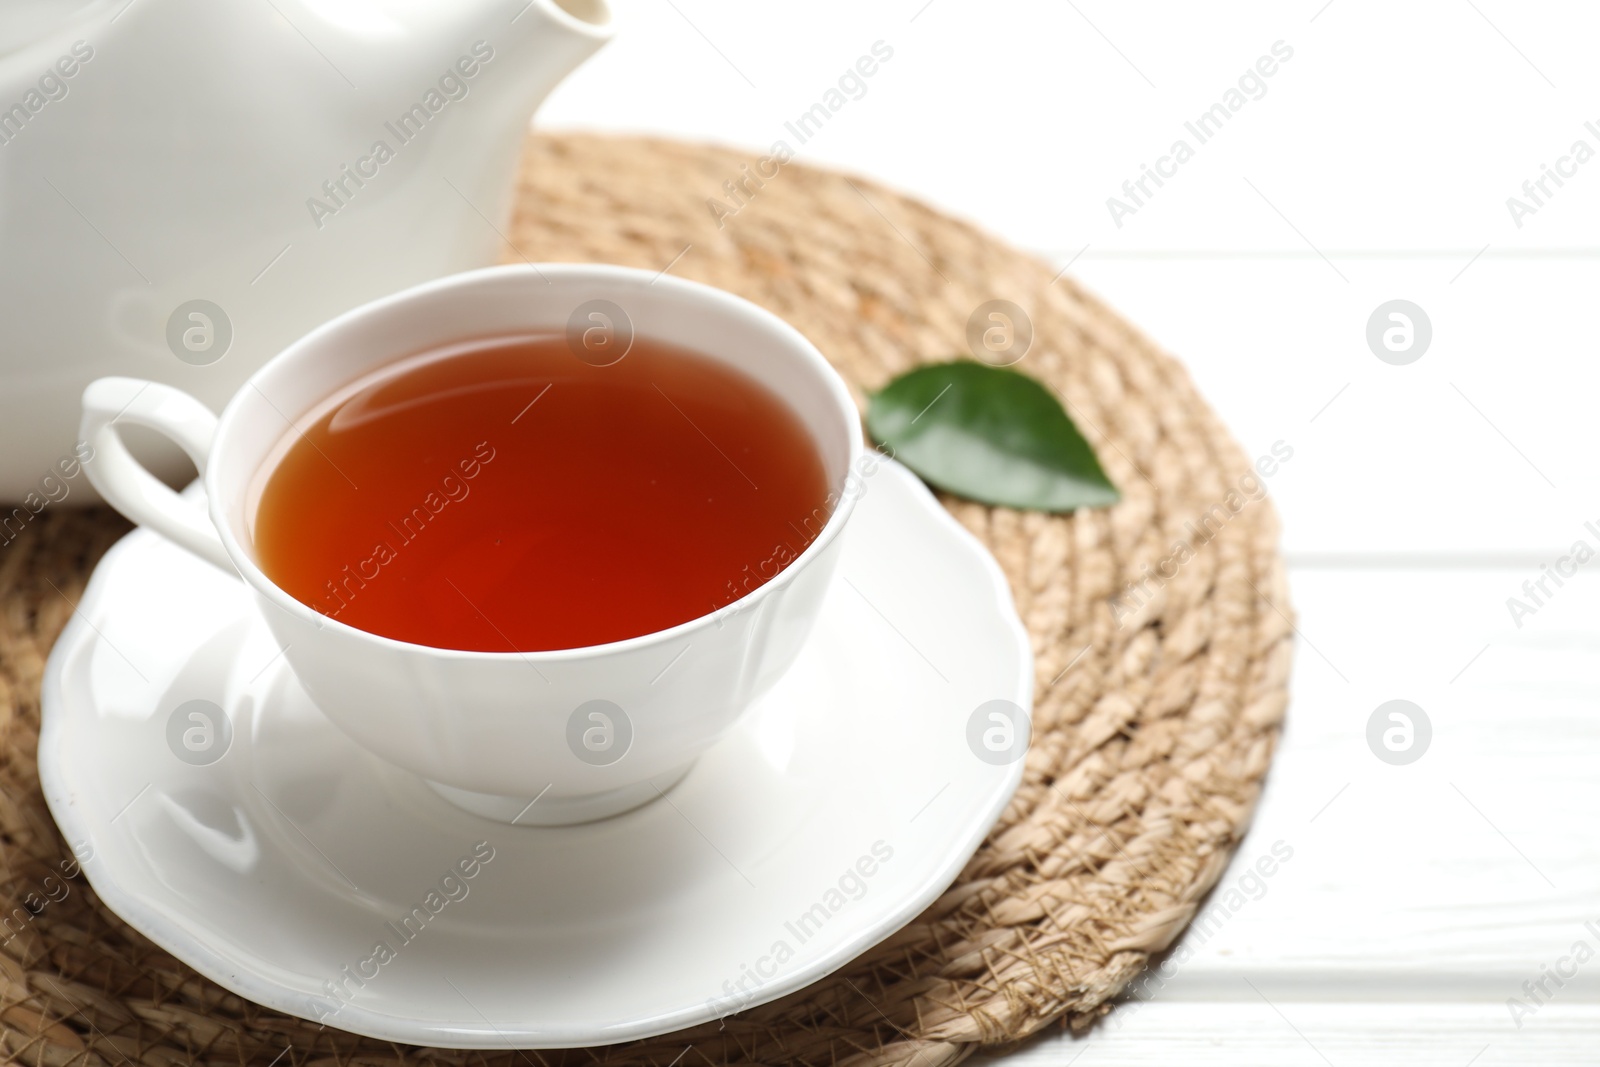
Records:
x=991, y=434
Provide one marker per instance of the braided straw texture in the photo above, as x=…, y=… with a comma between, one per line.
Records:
x=1152, y=731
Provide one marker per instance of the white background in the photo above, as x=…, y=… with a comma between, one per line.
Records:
x=1376, y=166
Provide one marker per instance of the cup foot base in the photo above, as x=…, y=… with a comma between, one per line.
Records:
x=562, y=811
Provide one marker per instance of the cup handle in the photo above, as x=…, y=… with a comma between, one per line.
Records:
x=123, y=481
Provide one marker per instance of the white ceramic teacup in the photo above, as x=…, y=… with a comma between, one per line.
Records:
x=580, y=733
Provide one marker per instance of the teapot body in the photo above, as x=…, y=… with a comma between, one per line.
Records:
x=186, y=187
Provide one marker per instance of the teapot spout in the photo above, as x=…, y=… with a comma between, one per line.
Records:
x=540, y=46
x=548, y=39
x=590, y=13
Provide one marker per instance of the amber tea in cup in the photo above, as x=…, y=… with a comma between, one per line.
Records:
x=503, y=495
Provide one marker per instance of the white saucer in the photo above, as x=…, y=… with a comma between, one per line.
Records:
x=851, y=794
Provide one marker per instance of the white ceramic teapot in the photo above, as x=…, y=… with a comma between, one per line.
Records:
x=187, y=186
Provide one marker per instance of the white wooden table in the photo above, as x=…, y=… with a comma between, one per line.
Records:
x=1376, y=165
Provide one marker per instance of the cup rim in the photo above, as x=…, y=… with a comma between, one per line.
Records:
x=782, y=332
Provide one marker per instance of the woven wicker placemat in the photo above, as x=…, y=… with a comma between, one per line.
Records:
x=1156, y=712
